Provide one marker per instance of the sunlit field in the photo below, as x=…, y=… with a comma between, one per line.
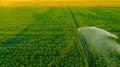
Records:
x=47, y=36
x=61, y=3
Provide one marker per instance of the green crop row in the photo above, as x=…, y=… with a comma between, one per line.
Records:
x=47, y=36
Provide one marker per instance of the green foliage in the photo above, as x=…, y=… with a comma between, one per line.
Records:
x=46, y=36
x=39, y=37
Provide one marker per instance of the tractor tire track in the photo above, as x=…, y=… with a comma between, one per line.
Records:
x=87, y=52
x=83, y=47
x=73, y=17
x=67, y=49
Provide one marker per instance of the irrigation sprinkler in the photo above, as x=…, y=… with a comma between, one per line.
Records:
x=98, y=45
x=98, y=40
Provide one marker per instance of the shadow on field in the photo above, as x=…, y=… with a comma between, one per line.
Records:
x=16, y=39
x=20, y=37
